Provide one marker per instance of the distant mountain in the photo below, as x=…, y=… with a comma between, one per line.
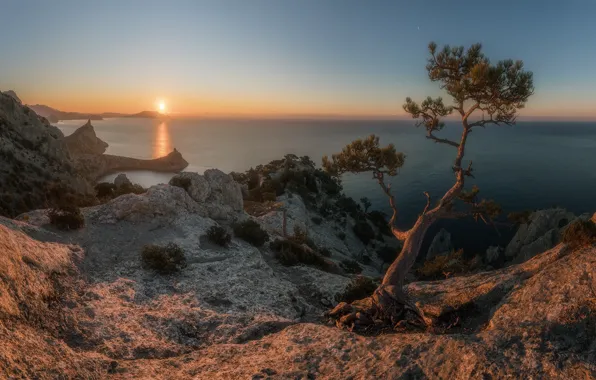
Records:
x=148, y=115
x=53, y=115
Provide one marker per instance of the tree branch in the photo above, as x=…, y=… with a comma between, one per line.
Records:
x=430, y=136
x=427, y=202
x=470, y=111
x=399, y=234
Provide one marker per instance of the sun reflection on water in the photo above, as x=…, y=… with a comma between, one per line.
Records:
x=162, y=144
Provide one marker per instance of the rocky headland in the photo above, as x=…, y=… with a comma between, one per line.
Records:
x=38, y=163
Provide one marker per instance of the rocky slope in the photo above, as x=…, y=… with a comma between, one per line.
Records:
x=82, y=304
x=33, y=156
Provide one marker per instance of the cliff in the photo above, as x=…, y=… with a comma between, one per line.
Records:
x=33, y=157
x=235, y=312
x=85, y=141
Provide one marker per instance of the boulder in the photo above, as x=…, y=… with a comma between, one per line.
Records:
x=441, y=245
x=218, y=196
x=493, y=255
x=541, y=233
x=122, y=180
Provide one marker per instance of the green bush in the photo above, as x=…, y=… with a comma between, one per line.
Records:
x=580, y=233
x=66, y=217
x=379, y=220
x=443, y=266
x=104, y=190
x=219, y=236
x=351, y=266
x=349, y=206
x=364, y=231
x=128, y=188
x=168, y=259
x=360, y=287
x=289, y=252
x=341, y=236
x=325, y=252
x=251, y=231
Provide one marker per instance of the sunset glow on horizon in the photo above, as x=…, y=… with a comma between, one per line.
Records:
x=264, y=58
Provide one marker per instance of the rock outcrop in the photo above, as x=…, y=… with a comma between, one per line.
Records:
x=440, y=245
x=218, y=195
x=33, y=156
x=122, y=180
x=85, y=141
x=89, y=159
x=235, y=313
x=541, y=232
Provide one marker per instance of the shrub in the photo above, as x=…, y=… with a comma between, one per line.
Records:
x=300, y=235
x=364, y=231
x=519, y=217
x=580, y=233
x=168, y=259
x=182, y=182
x=67, y=217
x=289, y=252
x=443, y=266
x=269, y=197
x=325, y=252
x=104, y=190
x=316, y=220
x=341, y=236
x=251, y=231
x=351, y=266
x=349, y=206
x=360, y=287
x=219, y=236
x=128, y=188
x=387, y=254
x=379, y=220
x=365, y=259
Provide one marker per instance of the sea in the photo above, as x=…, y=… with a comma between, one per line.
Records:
x=531, y=165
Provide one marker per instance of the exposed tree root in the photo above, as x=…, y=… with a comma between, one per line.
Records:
x=387, y=309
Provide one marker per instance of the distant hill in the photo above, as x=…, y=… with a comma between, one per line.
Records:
x=53, y=115
x=147, y=115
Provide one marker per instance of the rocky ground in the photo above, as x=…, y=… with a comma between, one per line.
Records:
x=80, y=304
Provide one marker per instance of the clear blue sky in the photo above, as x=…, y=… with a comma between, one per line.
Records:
x=284, y=56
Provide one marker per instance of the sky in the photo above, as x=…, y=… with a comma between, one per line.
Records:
x=350, y=58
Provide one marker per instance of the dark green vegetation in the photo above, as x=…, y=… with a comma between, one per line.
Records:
x=66, y=217
x=351, y=266
x=106, y=191
x=163, y=259
x=360, y=287
x=444, y=266
x=290, y=252
x=387, y=254
x=364, y=231
x=251, y=231
x=181, y=182
x=580, y=233
x=219, y=236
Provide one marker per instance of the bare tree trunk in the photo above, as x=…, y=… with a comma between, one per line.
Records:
x=397, y=271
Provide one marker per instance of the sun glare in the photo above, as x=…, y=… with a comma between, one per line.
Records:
x=162, y=106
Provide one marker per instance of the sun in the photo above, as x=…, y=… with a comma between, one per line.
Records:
x=162, y=107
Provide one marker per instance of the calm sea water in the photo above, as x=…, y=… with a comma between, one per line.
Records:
x=527, y=166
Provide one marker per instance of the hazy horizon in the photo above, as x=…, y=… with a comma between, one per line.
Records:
x=266, y=59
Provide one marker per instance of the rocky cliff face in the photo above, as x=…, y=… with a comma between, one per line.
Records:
x=236, y=313
x=89, y=159
x=33, y=156
x=85, y=141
